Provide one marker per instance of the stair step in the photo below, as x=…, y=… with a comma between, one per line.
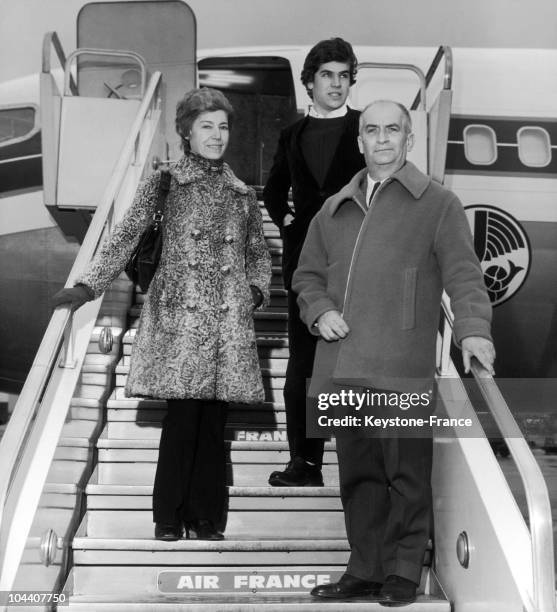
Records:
x=118, y=400
x=238, y=445
x=241, y=431
x=238, y=551
x=276, y=313
x=283, y=503
x=266, y=491
x=275, y=292
x=272, y=385
x=143, y=473
x=272, y=367
x=236, y=457
x=267, y=417
x=239, y=603
x=255, y=524
x=275, y=339
x=272, y=587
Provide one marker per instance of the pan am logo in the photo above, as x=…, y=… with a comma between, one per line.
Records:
x=503, y=249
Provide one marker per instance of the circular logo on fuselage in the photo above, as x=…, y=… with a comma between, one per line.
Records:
x=503, y=249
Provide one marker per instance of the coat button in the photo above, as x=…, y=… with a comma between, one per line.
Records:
x=223, y=307
x=225, y=269
x=193, y=265
x=191, y=306
x=196, y=234
x=228, y=239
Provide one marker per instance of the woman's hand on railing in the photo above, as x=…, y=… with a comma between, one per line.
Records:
x=480, y=348
x=75, y=297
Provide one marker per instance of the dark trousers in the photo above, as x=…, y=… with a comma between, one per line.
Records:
x=385, y=488
x=190, y=482
x=299, y=369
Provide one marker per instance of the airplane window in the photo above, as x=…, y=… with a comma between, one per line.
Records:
x=480, y=145
x=534, y=146
x=16, y=123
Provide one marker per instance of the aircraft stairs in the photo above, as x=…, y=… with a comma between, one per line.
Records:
x=279, y=541
x=65, y=488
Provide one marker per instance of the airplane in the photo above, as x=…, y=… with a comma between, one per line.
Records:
x=498, y=159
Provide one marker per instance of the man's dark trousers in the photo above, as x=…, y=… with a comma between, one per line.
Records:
x=385, y=488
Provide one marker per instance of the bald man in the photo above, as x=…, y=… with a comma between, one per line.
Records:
x=370, y=278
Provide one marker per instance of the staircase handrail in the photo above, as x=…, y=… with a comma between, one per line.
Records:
x=60, y=325
x=50, y=41
x=68, y=78
x=398, y=66
x=535, y=488
x=444, y=51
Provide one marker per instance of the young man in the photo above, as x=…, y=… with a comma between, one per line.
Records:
x=370, y=278
x=316, y=156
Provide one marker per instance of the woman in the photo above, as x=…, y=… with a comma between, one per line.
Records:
x=195, y=345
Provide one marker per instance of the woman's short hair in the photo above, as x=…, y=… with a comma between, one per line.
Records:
x=196, y=102
x=329, y=50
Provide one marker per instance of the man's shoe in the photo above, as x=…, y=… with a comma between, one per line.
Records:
x=298, y=473
x=397, y=591
x=347, y=586
x=168, y=533
x=202, y=529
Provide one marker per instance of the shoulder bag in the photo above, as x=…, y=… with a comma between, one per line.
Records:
x=142, y=264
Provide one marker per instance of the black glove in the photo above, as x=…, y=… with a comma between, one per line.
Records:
x=256, y=296
x=76, y=296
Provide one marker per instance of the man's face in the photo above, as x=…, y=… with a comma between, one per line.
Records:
x=383, y=138
x=330, y=86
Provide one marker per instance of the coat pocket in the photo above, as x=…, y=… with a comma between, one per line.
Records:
x=409, y=283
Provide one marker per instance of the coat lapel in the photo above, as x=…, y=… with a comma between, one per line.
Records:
x=297, y=155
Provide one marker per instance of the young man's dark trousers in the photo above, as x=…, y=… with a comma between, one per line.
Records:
x=300, y=365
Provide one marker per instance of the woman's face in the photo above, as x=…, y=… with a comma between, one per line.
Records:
x=209, y=134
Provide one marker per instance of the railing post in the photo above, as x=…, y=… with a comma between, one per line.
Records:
x=446, y=347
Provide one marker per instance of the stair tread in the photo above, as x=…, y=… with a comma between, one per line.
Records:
x=264, y=338
x=238, y=543
x=263, y=491
x=118, y=399
x=271, y=313
x=105, y=442
x=232, y=601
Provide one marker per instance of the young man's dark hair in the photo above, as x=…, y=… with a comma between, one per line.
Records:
x=329, y=50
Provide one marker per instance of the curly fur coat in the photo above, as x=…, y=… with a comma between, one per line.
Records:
x=196, y=337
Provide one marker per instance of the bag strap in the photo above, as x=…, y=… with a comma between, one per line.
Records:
x=164, y=188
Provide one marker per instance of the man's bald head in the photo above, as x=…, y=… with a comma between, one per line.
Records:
x=385, y=137
x=405, y=114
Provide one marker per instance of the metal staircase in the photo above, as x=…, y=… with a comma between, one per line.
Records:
x=279, y=541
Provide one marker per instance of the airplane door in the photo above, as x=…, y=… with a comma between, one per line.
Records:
x=261, y=91
x=163, y=32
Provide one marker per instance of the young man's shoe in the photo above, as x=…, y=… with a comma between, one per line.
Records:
x=397, y=591
x=298, y=473
x=347, y=586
